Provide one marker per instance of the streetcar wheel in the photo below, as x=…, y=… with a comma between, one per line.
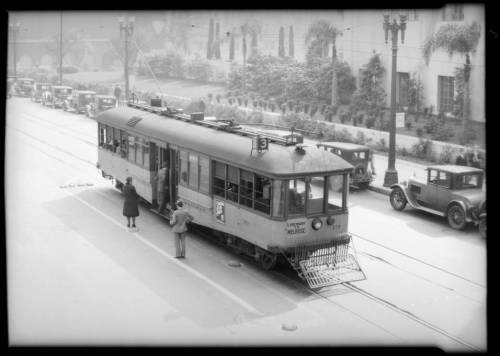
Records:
x=267, y=259
x=456, y=217
x=398, y=199
x=482, y=227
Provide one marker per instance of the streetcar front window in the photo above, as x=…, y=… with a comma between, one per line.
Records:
x=297, y=196
x=316, y=195
x=336, y=187
x=278, y=198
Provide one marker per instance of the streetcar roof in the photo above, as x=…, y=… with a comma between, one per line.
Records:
x=278, y=160
x=344, y=146
x=61, y=87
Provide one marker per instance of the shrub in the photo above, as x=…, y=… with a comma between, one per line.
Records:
x=218, y=97
x=210, y=97
x=432, y=125
x=443, y=133
x=370, y=122
x=423, y=150
x=403, y=152
x=360, y=138
x=381, y=145
x=420, y=132
x=199, y=69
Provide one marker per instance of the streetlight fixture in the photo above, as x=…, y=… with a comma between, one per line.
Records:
x=14, y=29
x=391, y=175
x=126, y=31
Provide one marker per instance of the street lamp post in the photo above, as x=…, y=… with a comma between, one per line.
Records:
x=126, y=31
x=14, y=28
x=391, y=175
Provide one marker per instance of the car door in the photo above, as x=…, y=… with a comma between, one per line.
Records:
x=428, y=191
x=442, y=196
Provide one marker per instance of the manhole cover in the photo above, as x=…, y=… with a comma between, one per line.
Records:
x=234, y=264
x=289, y=327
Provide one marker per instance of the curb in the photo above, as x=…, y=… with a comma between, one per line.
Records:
x=381, y=190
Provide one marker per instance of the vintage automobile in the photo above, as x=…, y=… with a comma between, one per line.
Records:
x=482, y=218
x=56, y=96
x=99, y=104
x=451, y=191
x=10, y=86
x=38, y=90
x=358, y=156
x=23, y=87
x=78, y=101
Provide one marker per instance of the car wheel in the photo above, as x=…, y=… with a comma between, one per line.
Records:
x=482, y=227
x=456, y=217
x=397, y=199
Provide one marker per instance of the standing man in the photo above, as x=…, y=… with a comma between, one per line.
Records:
x=118, y=93
x=180, y=218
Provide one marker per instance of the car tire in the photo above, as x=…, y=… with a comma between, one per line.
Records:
x=482, y=227
x=456, y=217
x=398, y=199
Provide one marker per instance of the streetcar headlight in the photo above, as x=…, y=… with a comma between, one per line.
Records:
x=317, y=224
x=330, y=220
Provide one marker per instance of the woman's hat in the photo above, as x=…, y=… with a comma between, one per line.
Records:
x=129, y=179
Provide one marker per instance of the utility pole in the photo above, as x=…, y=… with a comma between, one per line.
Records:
x=391, y=175
x=126, y=31
x=60, y=48
x=14, y=28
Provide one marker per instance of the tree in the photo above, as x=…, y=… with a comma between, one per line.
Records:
x=231, y=46
x=319, y=36
x=210, y=39
x=291, y=45
x=370, y=95
x=217, y=41
x=281, y=45
x=456, y=39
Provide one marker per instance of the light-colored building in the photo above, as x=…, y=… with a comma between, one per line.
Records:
x=362, y=36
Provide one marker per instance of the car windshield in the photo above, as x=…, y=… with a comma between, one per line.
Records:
x=470, y=181
x=361, y=155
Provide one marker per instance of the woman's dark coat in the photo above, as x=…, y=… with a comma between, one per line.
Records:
x=131, y=203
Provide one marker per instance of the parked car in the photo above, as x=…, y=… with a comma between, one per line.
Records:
x=10, y=86
x=451, y=191
x=56, y=96
x=23, y=86
x=38, y=90
x=357, y=155
x=78, y=101
x=482, y=219
x=99, y=104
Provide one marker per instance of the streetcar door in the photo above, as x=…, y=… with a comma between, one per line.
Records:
x=174, y=176
x=161, y=165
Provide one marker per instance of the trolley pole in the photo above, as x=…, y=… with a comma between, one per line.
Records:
x=391, y=174
x=126, y=31
x=15, y=30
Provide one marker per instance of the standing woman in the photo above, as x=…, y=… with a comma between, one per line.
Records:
x=131, y=203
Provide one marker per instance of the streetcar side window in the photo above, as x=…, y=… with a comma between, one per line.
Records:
x=183, y=158
x=102, y=135
x=124, y=144
x=219, y=179
x=204, y=175
x=193, y=169
x=145, y=151
x=131, y=148
x=232, y=185
x=116, y=140
x=246, y=188
x=262, y=194
x=109, y=138
x=138, y=148
x=278, y=198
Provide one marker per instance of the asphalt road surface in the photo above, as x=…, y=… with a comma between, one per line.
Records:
x=78, y=276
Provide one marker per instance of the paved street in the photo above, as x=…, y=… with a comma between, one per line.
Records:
x=77, y=276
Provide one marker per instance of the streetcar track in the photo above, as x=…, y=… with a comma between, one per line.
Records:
x=301, y=285
x=419, y=260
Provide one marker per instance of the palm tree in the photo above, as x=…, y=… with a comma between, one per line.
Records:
x=456, y=39
x=319, y=35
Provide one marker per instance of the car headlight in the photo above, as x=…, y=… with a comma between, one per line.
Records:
x=316, y=224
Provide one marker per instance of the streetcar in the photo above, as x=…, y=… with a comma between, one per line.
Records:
x=38, y=90
x=267, y=196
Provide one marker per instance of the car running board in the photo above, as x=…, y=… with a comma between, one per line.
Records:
x=429, y=210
